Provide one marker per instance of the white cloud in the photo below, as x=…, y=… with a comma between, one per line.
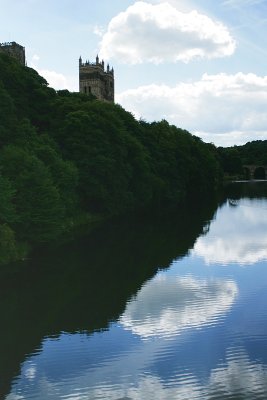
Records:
x=98, y=30
x=157, y=33
x=55, y=79
x=167, y=305
x=237, y=378
x=58, y=81
x=241, y=237
x=224, y=109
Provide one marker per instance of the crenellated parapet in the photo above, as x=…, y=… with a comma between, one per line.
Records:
x=97, y=64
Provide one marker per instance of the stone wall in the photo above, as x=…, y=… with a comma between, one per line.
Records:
x=14, y=50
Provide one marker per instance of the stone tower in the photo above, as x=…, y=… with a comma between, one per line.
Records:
x=94, y=79
x=14, y=50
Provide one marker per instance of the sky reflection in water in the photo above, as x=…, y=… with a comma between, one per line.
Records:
x=195, y=331
x=238, y=236
x=167, y=305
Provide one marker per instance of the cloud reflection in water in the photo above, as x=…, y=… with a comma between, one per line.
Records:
x=167, y=305
x=238, y=378
x=239, y=235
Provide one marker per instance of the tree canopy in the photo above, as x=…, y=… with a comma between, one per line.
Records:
x=65, y=157
x=234, y=158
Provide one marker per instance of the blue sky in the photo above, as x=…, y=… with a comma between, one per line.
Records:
x=201, y=65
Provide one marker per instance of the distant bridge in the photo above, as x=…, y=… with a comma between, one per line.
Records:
x=255, y=171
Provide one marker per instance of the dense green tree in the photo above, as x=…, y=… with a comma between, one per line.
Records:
x=36, y=200
x=109, y=159
x=7, y=208
x=254, y=152
x=230, y=160
x=65, y=157
x=233, y=159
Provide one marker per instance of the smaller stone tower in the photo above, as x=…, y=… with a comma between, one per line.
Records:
x=14, y=50
x=94, y=79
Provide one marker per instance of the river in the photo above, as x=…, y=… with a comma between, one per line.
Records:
x=169, y=305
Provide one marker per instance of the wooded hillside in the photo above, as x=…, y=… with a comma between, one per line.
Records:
x=66, y=157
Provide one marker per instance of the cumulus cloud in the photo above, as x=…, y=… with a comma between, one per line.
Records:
x=157, y=33
x=167, y=305
x=245, y=226
x=224, y=109
x=239, y=378
x=55, y=79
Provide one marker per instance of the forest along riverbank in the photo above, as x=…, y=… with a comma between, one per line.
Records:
x=66, y=159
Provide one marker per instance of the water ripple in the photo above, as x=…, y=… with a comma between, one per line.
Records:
x=167, y=306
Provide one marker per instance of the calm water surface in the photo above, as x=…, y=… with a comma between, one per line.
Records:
x=173, y=307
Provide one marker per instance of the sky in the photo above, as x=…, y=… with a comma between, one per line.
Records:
x=199, y=64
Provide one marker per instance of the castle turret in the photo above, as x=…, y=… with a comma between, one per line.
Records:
x=93, y=79
x=14, y=50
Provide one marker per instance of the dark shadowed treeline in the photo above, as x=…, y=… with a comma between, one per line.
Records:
x=66, y=159
x=234, y=158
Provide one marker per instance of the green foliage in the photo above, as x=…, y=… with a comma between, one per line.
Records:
x=230, y=160
x=182, y=165
x=254, y=152
x=233, y=159
x=7, y=208
x=36, y=199
x=9, y=249
x=65, y=157
x=111, y=162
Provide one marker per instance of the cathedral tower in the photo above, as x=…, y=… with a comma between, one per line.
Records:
x=94, y=79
